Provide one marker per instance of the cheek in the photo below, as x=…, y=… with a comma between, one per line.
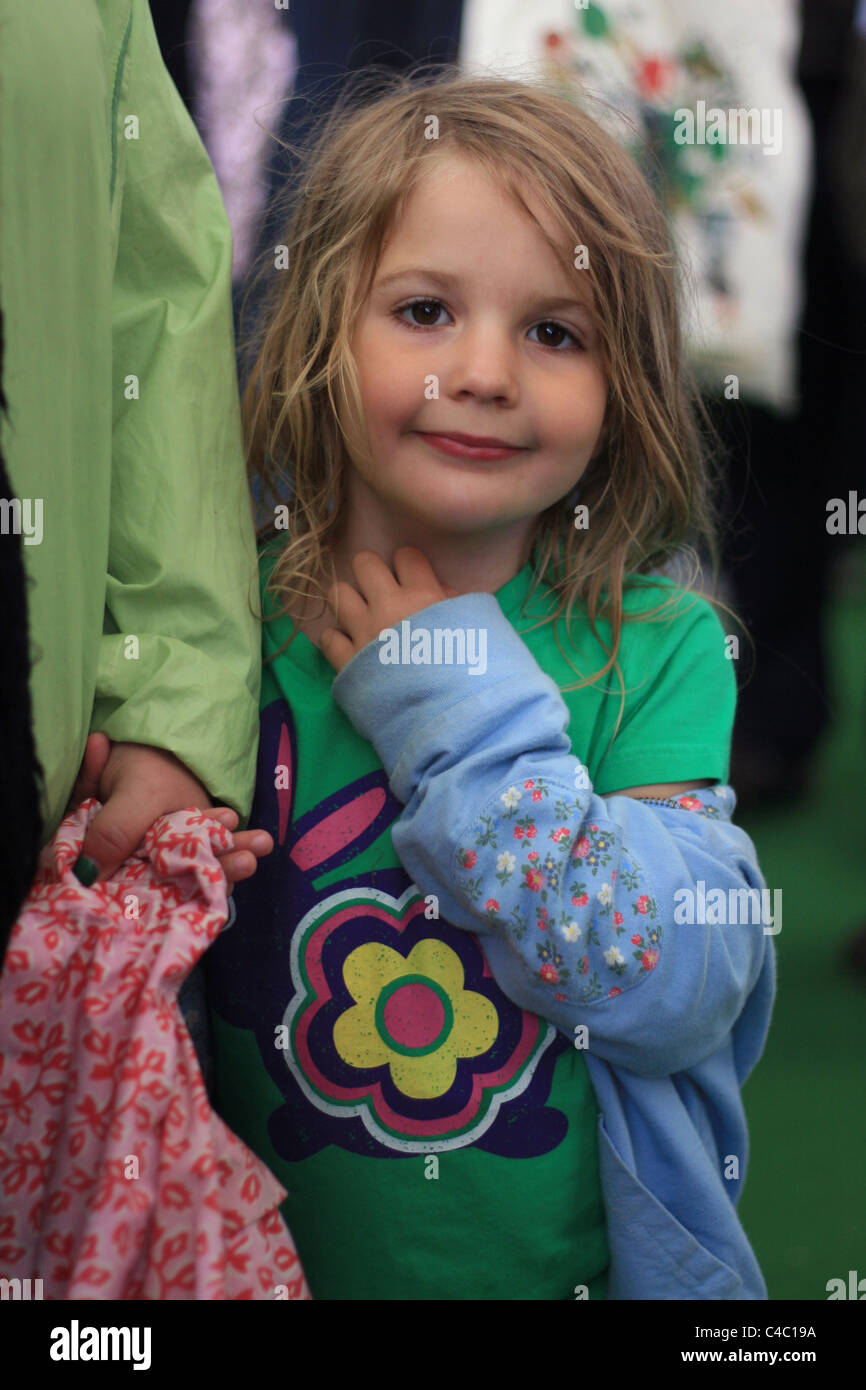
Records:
x=571, y=424
x=575, y=415
x=389, y=391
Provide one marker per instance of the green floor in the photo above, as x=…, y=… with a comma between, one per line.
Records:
x=804, y=1203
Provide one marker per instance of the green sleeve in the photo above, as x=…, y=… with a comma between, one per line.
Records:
x=178, y=664
x=56, y=258
x=681, y=694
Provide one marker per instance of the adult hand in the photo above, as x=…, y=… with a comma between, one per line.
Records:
x=137, y=784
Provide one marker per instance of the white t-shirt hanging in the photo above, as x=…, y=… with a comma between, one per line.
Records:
x=685, y=76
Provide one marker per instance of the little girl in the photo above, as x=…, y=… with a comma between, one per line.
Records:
x=481, y=1011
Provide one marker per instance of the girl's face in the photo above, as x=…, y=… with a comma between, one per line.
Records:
x=500, y=345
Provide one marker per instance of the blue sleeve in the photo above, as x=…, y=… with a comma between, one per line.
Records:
x=598, y=912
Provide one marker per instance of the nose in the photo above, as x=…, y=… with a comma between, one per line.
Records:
x=484, y=365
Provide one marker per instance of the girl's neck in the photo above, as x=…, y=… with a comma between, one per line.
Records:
x=470, y=563
x=466, y=568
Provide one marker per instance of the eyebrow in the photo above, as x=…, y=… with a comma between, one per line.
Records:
x=448, y=282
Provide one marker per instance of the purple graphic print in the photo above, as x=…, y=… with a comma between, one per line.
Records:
x=398, y=1038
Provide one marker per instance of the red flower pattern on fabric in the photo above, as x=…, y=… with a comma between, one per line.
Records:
x=126, y=1184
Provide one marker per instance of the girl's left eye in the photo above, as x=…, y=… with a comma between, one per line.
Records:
x=557, y=329
x=434, y=304
x=436, y=307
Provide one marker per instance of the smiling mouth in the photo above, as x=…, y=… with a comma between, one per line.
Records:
x=470, y=446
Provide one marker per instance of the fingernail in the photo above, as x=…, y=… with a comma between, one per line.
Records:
x=85, y=870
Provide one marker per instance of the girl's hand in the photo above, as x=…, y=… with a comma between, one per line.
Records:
x=384, y=601
x=136, y=784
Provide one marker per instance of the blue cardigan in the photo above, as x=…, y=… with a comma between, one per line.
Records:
x=672, y=1028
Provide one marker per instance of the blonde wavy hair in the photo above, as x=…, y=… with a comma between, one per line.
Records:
x=650, y=489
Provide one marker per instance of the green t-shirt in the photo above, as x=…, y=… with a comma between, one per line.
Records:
x=436, y=1140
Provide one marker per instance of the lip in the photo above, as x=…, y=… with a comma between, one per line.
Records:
x=471, y=446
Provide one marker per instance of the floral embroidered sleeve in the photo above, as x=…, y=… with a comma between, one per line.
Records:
x=551, y=877
x=596, y=912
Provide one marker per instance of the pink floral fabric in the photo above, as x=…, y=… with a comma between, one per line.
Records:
x=117, y=1179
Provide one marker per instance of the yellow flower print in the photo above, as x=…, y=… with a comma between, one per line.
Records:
x=413, y=1013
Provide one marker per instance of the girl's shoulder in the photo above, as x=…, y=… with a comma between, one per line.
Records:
x=645, y=594
x=655, y=608
x=662, y=616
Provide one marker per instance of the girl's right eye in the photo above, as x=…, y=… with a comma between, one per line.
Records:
x=416, y=304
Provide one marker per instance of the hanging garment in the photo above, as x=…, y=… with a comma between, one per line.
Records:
x=704, y=96
x=117, y=1179
x=243, y=60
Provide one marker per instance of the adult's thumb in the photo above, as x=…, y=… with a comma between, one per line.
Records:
x=112, y=836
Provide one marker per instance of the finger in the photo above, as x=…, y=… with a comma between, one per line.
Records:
x=238, y=865
x=336, y=648
x=226, y=816
x=451, y=593
x=348, y=607
x=374, y=577
x=258, y=842
x=114, y=834
x=413, y=569
x=97, y=750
